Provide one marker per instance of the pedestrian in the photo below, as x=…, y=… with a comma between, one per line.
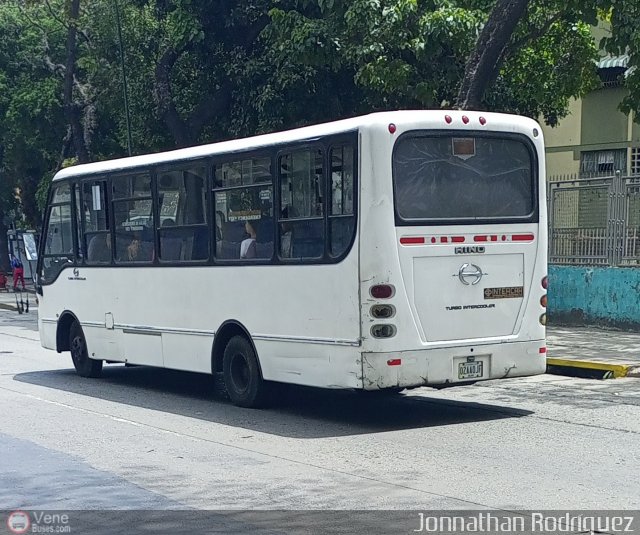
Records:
x=18, y=272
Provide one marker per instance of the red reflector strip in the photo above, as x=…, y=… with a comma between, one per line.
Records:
x=494, y=238
x=412, y=240
x=542, y=350
x=480, y=238
x=522, y=237
x=444, y=239
x=457, y=239
x=394, y=362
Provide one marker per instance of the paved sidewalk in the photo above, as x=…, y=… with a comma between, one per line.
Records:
x=592, y=348
x=8, y=299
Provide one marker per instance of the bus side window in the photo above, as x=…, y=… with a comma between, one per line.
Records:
x=301, y=222
x=94, y=209
x=184, y=236
x=341, y=215
x=58, y=249
x=243, y=197
x=133, y=215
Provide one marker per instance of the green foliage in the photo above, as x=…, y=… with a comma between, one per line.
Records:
x=406, y=53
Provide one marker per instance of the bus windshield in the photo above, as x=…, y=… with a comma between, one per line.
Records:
x=458, y=178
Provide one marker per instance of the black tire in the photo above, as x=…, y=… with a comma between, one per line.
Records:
x=85, y=366
x=242, y=378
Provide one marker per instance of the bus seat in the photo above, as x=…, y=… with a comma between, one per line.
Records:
x=199, y=246
x=227, y=250
x=264, y=230
x=98, y=251
x=123, y=239
x=233, y=231
x=264, y=249
x=170, y=248
x=145, y=253
x=341, y=234
x=307, y=239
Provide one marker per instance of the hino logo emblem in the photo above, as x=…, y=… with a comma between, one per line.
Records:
x=76, y=272
x=470, y=274
x=479, y=249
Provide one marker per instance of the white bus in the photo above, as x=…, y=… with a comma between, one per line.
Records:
x=389, y=251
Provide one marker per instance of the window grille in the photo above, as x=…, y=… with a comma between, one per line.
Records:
x=635, y=160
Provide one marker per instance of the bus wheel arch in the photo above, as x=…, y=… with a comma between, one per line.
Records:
x=63, y=330
x=227, y=330
x=234, y=354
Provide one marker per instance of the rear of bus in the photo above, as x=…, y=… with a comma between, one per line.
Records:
x=452, y=249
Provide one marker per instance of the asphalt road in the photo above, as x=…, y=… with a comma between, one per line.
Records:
x=142, y=438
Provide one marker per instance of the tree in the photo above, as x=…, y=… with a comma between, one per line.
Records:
x=31, y=119
x=624, y=17
x=522, y=56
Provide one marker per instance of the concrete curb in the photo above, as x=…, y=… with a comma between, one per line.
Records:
x=5, y=306
x=617, y=369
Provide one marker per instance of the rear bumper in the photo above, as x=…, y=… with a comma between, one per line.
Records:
x=438, y=367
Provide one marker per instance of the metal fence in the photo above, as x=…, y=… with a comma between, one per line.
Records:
x=594, y=221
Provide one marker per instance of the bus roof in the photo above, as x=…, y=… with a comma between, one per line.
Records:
x=435, y=117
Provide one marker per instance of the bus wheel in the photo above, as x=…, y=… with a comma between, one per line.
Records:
x=85, y=367
x=242, y=378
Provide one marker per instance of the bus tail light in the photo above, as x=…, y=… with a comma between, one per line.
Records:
x=382, y=291
x=394, y=362
x=545, y=282
x=543, y=319
x=543, y=301
x=383, y=331
x=382, y=311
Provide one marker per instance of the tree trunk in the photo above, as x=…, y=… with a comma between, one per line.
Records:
x=72, y=109
x=484, y=63
x=186, y=132
x=167, y=111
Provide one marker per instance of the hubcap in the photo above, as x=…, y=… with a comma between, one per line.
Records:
x=240, y=373
x=77, y=349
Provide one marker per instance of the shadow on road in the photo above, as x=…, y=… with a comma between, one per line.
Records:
x=300, y=412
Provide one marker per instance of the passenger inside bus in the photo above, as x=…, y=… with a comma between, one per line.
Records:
x=139, y=250
x=248, y=245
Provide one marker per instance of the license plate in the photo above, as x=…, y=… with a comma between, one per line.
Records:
x=470, y=370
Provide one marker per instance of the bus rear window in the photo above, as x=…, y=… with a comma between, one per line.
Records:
x=462, y=178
